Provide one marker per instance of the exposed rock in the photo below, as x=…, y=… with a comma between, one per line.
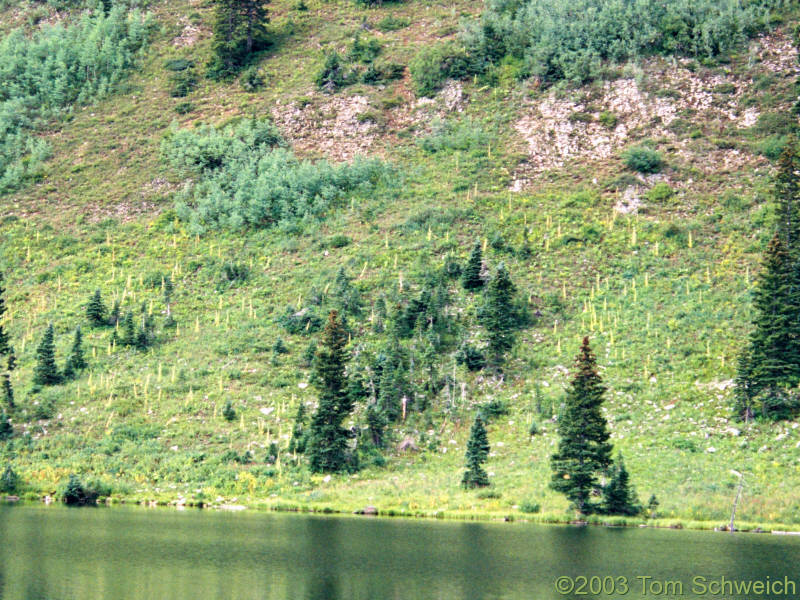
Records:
x=407, y=445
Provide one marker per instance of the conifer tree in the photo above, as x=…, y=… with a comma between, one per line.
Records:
x=477, y=453
x=376, y=424
x=327, y=440
x=619, y=498
x=46, y=371
x=228, y=412
x=298, y=442
x=76, y=361
x=471, y=277
x=11, y=360
x=346, y=296
x=584, y=450
x=787, y=193
x=771, y=364
x=114, y=316
x=128, y=337
x=498, y=315
x=8, y=392
x=239, y=29
x=96, y=310
x=6, y=430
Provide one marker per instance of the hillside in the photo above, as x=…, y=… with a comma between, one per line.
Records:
x=656, y=268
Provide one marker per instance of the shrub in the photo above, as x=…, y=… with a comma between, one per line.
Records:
x=9, y=481
x=608, y=119
x=571, y=40
x=228, y=412
x=493, y=409
x=304, y=320
x=252, y=79
x=642, y=159
x=471, y=357
x=334, y=74
x=436, y=64
x=772, y=147
x=462, y=135
x=392, y=23
x=54, y=68
x=76, y=494
x=530, y=507
x=244, y=178
x=660, y=192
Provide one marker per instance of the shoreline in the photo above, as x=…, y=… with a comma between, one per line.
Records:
x=673, y=523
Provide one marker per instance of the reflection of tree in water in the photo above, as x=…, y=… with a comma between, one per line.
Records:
x=322, y=558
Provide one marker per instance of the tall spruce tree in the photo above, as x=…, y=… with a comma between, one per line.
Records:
x=498, y=315
x=96, y=310
x=239, y=30
x=7, y=355
x=771, y=364
x=584, y=451
x=477, y=453
x=326, y=446
x=619, y=498
x=471, y=276
x=46, y=371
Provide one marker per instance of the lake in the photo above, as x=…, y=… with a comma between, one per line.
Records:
x=120, y=553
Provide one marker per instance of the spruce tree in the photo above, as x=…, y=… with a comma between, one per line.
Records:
x=787, y=193
x=619, y=498
x=239, y=29
x=114, y=316
x=46, y=371
x=584, y=450
x=228, y=412
x=471, y=277
x=327, y=439
x=8, y=392
x=498, y=315
x=128, y=337
x=771, y=365
x=96, y=310
x=298, y=442
x=6, y=430
x=477, y=453
x=76, y=361
x=346, y=297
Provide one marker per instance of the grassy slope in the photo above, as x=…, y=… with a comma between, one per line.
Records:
x=664, y=347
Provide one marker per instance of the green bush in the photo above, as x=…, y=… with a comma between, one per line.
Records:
x=660, y=192
x=436, y=64
x=530, y=507
x=392, y=23
x=335, y=74
x=773, y=146
x=54, y=68
x=9, y=481
x=244, y=178
x=642, y=159
x=251, y=79
x=75, y=493
x=572, y=40
x=456, y=135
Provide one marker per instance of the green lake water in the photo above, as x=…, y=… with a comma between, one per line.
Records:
x=119, y=553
